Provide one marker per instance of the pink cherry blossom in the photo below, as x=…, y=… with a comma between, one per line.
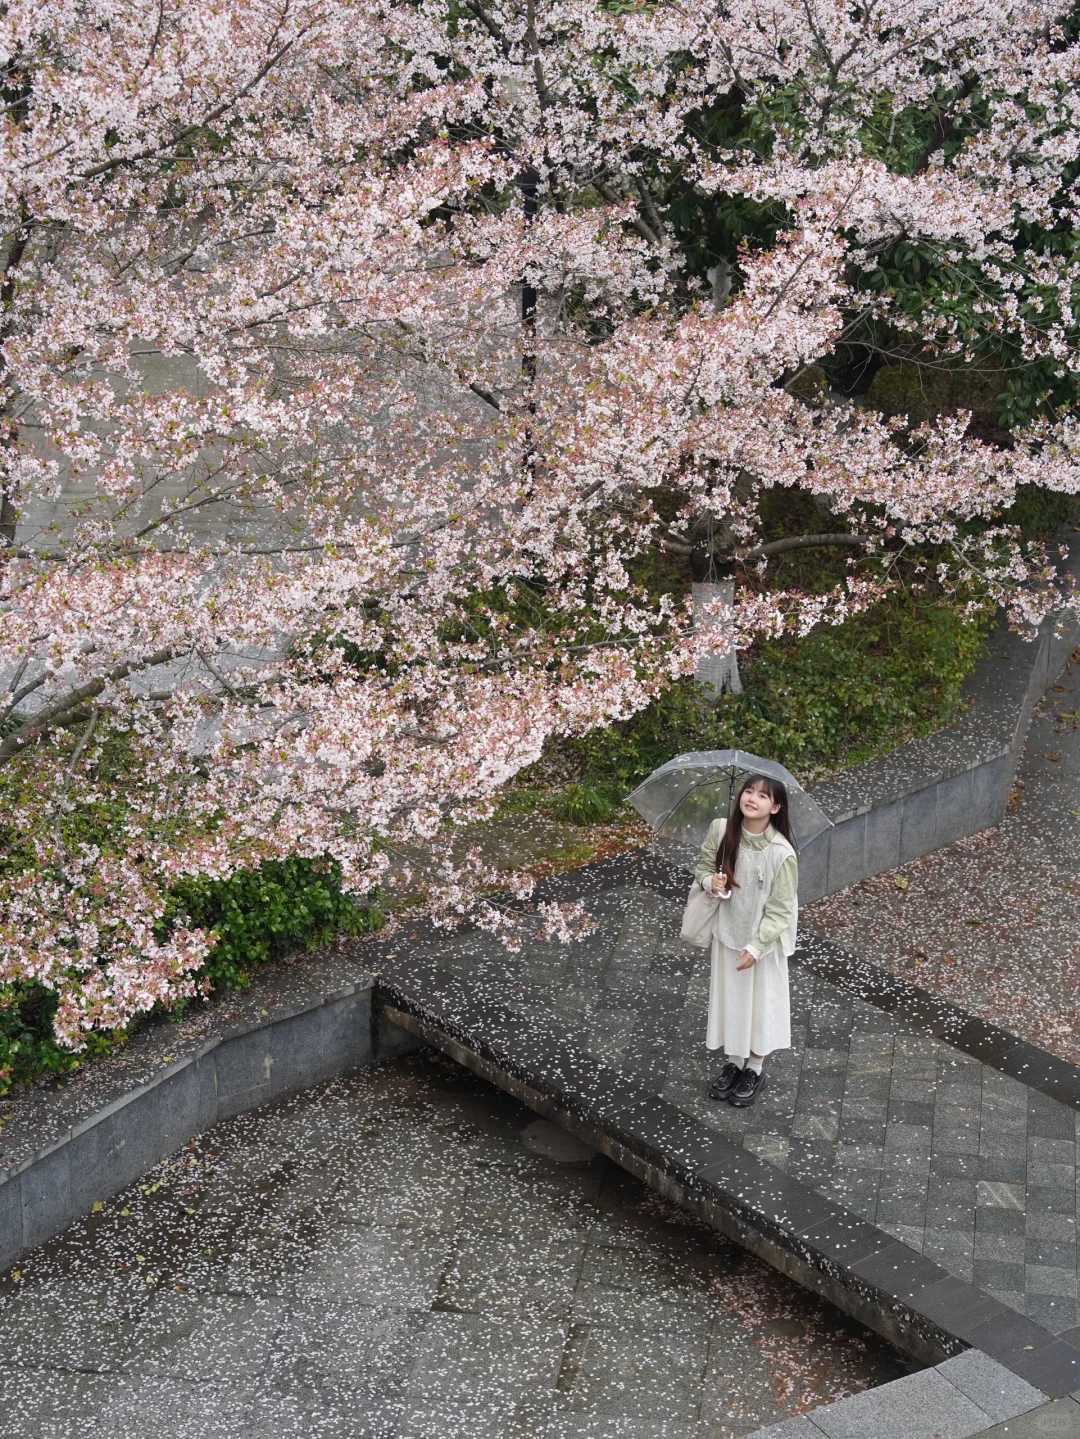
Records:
x=306, y=525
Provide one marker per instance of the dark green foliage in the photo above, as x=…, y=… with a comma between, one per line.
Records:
x=834, y=698
x=714, y=227
x=28, y=1047
x=258, y=916
x=586, y=804
x=919, y=278
x=1042, y=514
x=920, y=392
x=261, y=914
x=917, y=281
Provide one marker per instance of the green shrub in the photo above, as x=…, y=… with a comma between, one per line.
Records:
x=258, y=916
x=585, y=804
x=28, y=1046
x=921, y=391
x=261, y=914
x=523, y=799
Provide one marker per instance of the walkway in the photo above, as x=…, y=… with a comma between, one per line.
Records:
x=961, y=1149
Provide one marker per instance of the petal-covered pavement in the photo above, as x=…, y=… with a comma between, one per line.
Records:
x=992, y=922
x=408, y=1253
x=969, y=1166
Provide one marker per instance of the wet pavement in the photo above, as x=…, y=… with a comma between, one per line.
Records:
x=971, y=1167
x=992, y=922
x=408, y=1253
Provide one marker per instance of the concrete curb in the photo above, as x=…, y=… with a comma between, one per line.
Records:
x=948, y=785
x=905, y=1297
x=954, y=1400
x=349, y=1028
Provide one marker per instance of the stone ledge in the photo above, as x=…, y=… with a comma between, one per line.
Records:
x=953, y=1400
x=908, y=1299
x=931, y=1014
x=72, y=1165
x=1057, y=1420
x=35, y=1116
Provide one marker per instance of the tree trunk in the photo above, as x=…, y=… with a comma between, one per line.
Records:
x=716, y=673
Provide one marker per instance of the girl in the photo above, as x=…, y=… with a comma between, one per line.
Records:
x=749, y=862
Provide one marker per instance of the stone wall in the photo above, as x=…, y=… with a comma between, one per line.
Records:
x=943, y=787
x=332, y=1034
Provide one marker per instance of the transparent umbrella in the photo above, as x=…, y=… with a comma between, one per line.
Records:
x=683, y=797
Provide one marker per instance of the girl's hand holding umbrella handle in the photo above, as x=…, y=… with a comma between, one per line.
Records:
x=716, y=888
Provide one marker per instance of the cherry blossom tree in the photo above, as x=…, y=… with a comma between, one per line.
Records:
x=352, y=360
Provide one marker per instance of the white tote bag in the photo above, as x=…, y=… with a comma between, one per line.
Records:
x=698, y=916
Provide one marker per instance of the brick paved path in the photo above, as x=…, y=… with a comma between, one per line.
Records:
x=965, y=1164
x=992, y=922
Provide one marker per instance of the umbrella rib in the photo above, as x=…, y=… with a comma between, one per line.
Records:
x=684, y=797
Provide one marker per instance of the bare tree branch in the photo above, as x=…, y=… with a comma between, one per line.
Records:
x=208, y=119
x=487, y=396
x=649, y=203
x=490, y=24
x=222, y=681
x=17, y=696
x=84, y=739
x=73, y=705
x=604, y=190
x=801, y=542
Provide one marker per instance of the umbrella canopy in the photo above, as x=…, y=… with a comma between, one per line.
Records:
x=683, y=797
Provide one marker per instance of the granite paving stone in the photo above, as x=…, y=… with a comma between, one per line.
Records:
x=152, y=1405
x=953, y=1399
x=923, y=1406
x=1059, y=1420
x=988, y=1385
x=790, y=1429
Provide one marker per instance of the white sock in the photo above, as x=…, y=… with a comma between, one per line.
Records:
x=754, y=1064
x=735, y=1059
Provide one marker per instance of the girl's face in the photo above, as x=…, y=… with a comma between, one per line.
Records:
x=757, y=804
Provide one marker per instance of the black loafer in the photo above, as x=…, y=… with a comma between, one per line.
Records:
x=725, y=1082
x=747, y=1089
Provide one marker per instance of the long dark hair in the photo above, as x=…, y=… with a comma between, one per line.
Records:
x=728, y=852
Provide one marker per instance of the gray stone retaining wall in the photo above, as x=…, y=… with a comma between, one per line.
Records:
x=890, y=810
x=946, y=786
x=333, y=1034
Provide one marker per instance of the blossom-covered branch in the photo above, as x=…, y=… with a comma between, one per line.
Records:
x=308, y=543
